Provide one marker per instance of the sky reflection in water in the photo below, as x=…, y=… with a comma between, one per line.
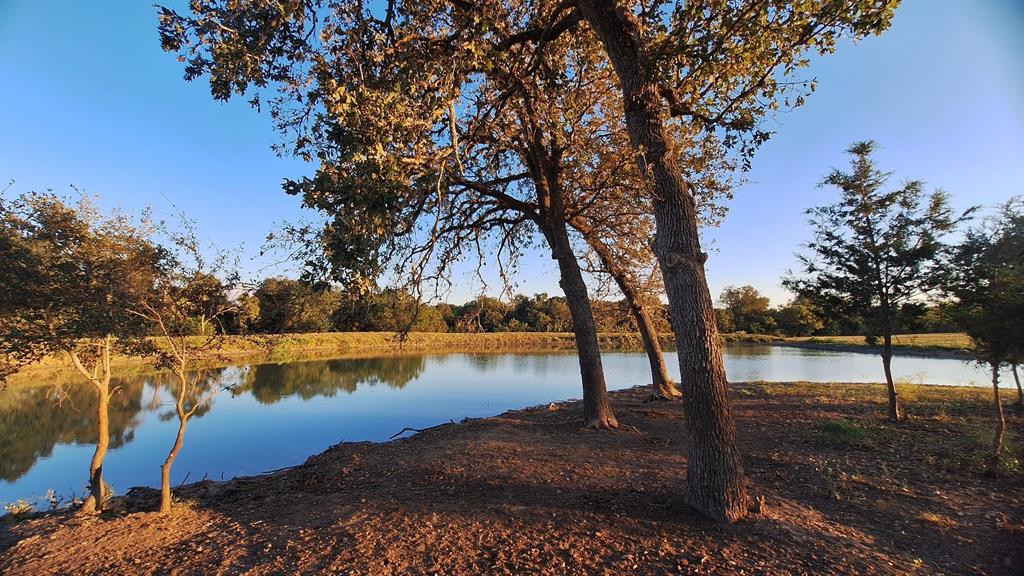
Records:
x=277, y=415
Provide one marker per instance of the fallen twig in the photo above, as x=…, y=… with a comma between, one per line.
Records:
x=404, y=430
x=417, y=430
x=280, y=469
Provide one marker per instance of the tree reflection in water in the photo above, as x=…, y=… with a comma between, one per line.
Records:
x=33, y=422
x=270, y=383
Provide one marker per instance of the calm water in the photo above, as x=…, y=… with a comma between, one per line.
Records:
x=278, y=415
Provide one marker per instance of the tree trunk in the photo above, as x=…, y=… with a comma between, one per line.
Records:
x=1016, y=378
x=597, y=409
x=715, y=483
x=895, y=410
x=662, y=385
x=179, y=441
x=100, y=379
x=997, y=443
x=97, y=498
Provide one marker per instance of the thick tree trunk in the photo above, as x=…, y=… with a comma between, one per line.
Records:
x=1016, y=379
x=179, y=441
x=662, y=385
x=895, y=410
x=715, y=483
x=597, y=409
x=997, y=442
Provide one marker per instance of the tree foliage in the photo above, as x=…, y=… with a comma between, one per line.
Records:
x=70, y=277
x=987, y=280
x=874, y=250
x=747, y=310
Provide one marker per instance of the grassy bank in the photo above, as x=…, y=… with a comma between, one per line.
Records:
x=947, y=341
x=288, y=347
x=946, y=345
x=840, y=491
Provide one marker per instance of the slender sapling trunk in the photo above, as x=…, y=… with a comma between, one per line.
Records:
x=1016, y=379
x=100, y=379
x=895, y=410
x=662, y=385
x=997, y=442
x=179, y=441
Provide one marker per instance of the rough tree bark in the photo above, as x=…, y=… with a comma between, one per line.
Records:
x=997, y=443
x=597, y=409
x=715, y=482
x=662, y=385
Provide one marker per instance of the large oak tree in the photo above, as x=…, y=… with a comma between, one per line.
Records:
x=714, y=66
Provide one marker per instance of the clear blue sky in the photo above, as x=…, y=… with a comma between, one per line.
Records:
x=89, y=99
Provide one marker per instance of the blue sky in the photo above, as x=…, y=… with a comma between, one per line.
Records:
x=90, y=99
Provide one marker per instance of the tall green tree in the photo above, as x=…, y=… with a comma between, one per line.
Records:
x=286, y=305
x=71, y=276
x=748, y=309
x=440, y=132
x=874, y=250
x=798, y=317
x=987, y=280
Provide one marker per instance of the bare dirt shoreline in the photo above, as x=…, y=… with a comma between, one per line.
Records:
x=528, y=492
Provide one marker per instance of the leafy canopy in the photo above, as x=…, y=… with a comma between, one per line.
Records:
x=873, y=249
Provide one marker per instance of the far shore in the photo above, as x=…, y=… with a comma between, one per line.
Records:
x=293, y=347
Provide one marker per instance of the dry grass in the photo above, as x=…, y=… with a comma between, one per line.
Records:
x=289, y=347
x=944, y=522
x=943, y=341
x=292, y=347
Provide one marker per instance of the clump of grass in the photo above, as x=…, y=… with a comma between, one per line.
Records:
x=943, y=522
x=19, y=509
x=843, y=432
x=975, y=451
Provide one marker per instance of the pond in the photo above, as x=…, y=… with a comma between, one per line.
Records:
x=277, y=415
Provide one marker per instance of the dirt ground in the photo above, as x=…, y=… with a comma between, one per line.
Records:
x=529, y=492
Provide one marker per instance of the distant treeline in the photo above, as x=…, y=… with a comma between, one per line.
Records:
x=283, y=305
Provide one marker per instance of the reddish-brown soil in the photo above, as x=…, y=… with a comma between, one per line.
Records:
x=529, y=492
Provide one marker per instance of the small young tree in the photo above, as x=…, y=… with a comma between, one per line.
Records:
x=70, y=276
x=188, y=309
x=874, y=250
x=987, y=279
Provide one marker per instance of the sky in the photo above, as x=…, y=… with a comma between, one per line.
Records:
x=88, y=98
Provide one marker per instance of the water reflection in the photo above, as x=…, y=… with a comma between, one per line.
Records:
x=276, y=415
x=32, y=422
x=270, y=383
